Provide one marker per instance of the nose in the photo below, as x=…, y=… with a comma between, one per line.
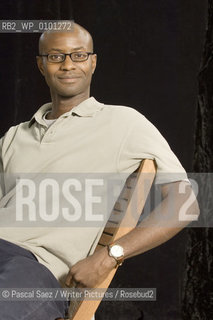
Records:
x=68, y=64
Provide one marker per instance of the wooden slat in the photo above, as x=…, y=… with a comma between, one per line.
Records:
x=135, y=193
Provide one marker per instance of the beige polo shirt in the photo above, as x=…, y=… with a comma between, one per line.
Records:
x=91, y=138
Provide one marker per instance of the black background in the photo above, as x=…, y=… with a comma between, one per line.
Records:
x=149, y=54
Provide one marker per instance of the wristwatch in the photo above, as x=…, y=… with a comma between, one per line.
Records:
x=117, y=252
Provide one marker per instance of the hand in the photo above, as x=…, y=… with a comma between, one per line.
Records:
x=91, y=271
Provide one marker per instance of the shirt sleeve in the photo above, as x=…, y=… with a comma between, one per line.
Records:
x=144, y=141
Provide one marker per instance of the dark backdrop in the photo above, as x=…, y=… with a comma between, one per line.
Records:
x=148, y=58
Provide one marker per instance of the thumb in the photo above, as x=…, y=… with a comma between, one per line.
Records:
x=68, y=279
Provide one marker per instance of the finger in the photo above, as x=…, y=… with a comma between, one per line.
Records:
x=79, y=285
x=68, y=280
x=73, y=283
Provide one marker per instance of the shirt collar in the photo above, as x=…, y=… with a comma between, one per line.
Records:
x=87, y=108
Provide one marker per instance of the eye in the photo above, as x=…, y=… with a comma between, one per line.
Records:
x=79, y=56
x=56, y=57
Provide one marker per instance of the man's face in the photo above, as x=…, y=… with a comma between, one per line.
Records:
x=67, y=78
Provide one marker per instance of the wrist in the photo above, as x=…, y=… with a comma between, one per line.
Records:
x=110, y=261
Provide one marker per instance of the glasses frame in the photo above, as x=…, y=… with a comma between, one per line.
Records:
x=67, y=54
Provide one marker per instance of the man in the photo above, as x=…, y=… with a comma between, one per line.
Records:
x=75, y=133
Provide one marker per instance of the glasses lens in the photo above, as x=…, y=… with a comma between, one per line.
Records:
x=79, y=56
x=56, y=57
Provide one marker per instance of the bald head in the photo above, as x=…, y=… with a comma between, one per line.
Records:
x=75, y=31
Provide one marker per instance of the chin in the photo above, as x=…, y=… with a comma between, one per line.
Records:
x=66, y=94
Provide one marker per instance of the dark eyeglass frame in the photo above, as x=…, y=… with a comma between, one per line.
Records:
x=67, y=54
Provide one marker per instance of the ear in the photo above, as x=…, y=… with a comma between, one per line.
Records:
x=94, y=62
x=40, y=64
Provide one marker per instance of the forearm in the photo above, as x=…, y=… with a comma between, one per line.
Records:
x=161, y=225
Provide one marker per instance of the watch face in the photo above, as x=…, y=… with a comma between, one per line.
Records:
x=117, y=251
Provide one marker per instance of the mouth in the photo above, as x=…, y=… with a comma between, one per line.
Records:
x=68, y=79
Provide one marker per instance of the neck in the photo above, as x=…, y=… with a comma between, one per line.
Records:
x=61, y=105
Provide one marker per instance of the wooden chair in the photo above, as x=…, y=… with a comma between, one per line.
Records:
x=124, y=218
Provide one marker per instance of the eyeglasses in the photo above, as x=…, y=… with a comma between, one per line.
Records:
x=79, y=56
